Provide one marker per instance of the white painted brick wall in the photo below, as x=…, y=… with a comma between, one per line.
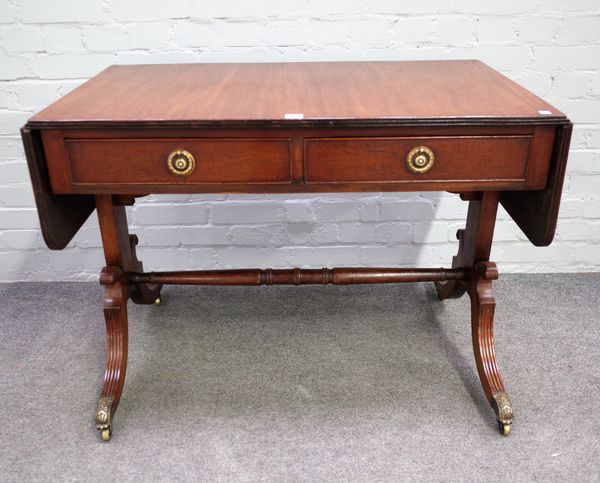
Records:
x=48, y=48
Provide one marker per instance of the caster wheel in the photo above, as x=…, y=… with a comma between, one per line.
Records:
x=106, y=434
x=504, y=428
x=158, y=301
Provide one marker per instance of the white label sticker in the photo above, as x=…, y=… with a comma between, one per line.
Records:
x=293, y=116
x=545, y=113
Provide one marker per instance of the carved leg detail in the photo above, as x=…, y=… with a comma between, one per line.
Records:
x=454, y=289
x=482, y=322
x=115, y=314
x=143, y=293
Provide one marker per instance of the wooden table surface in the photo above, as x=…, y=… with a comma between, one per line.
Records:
x=319, y=91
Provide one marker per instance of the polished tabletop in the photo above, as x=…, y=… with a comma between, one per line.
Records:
x=408, y=90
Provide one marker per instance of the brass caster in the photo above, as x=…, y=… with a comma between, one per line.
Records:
x=504, y=412
x=505, y=428
x=158, y=301
x=104, y=417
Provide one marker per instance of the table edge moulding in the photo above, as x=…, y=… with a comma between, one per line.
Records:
x=315, y=127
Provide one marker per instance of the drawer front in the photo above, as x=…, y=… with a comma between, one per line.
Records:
x=146, y=161
x=491, y=159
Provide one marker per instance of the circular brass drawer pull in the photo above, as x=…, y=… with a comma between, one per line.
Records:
x=181, y=162
x=420, y=159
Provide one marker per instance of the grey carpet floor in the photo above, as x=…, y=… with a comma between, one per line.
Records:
x=311, y=383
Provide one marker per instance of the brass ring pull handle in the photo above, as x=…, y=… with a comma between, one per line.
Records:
x=181, y=162
x=420, y=160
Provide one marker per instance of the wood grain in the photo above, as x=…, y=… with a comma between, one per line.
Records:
x=60, y=216
x=460, y=158
x=299, y=276
x=279, y=160
x=218, y=161
x=113, y=135
x=337, y=99
x=381, y=91
x=536, y=212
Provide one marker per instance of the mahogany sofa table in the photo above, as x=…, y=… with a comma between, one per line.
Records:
x=456, y=126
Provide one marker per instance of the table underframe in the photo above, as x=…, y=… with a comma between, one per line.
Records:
x=472, y=272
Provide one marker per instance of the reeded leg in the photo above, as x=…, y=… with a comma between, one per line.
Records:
x=115, y=314
x=482, y=324
x=119, y=252
x=475, y=243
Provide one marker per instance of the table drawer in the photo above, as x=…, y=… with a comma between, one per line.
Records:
x=176, y=161
x=439, y=158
